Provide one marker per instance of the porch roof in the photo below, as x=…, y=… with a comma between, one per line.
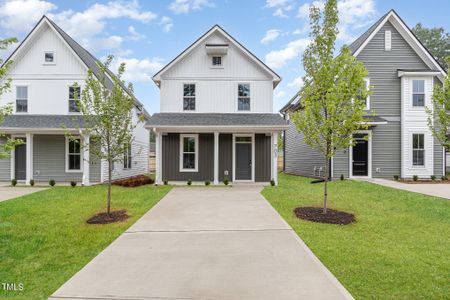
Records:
x=26, y=121
x=216, y=120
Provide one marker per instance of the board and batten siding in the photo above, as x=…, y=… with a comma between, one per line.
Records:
x=5, y=165
x=262, y=158
x=225, y=156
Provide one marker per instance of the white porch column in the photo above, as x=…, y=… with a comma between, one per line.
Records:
x=86, y=160
x=29, y=155
x=158, y=153
x=216, y=158
x=275, y=157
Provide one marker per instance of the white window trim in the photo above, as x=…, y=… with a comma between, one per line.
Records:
x=53, y=63
x=182, y=136
x=237, y=97
x=252, y=135
x=218, y=66
x=194, y=97
x=411, y=98
x=387, y=40
x=15, y=98
x=68, y=99
x=128, y=158
x=67, y=156
x=367, y=80
x=411, y=142
x=369, y=156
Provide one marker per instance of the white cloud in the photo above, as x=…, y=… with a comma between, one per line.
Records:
x=111, y=42
x=282, y=6
x=276, y=3
x=279, y=58
x=185, y=6
x=21, y=15
x=136, y=69
x=271, y=35
x=166, y=23
x=134, y=35
x=296, y=83
x=280, y=94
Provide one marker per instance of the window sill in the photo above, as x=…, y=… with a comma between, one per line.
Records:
x=74, y=171
x=188, y=170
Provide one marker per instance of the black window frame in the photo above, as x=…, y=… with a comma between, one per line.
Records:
x=22, y=102
x=216, y=61
x=189, y=90
x=74, y=152
x=73, y=108
x=418, y=95
x=418, y=149
x=244, y=99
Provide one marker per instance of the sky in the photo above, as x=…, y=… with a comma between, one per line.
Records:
x=146, y=35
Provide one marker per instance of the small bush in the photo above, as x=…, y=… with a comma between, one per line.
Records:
x=73, y=183
x=166, y=182
x=207, y=182
x=51, y=182
x=415, y=177
x=272, y=182
x=189, y=182
x=226, y=181
x=444, y=178
x=396, y=177
x=342, y=177
x=433, y=177
x=32, y=182
x=14, y=182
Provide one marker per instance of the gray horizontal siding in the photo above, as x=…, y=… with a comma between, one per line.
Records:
x=262, y=158
x=95, y=167
x=386, y=154
x=300, y=159
x=438, y=158
x=5, y=165
x=340, y=164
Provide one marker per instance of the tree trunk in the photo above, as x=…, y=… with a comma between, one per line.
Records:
x=325, y=187
x=108, y=208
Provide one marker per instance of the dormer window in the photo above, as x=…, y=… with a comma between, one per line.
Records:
x=217, y=61
x=49, y=58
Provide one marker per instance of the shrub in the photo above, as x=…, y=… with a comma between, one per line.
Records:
x=342, y=176
x=396, y=177
x=32, y=182
x=166, y=182
x=433, y=177
x=134, y=181
x=14, y=182
x=73, y=183
x=226, y=181
x=51, y=182
x=415, y=177
x=189, y=182
x=272, y=182
x=444, y=178
x=207, y=182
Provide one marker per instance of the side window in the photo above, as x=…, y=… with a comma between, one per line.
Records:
x=244, y=96
x=22, y=99
x=73, y=155
x=216, y=61
x=49, y=58
x=189, y=96
x=418, y=93
x=418, y=149
x=74, y=93
x=127, y=158
x=367, y=100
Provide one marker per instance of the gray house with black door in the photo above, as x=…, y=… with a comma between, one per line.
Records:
x=402, y=74
x=216, y=117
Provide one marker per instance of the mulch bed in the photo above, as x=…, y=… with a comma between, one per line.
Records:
x=134, y=181
x=315, y=214
x=104, y=218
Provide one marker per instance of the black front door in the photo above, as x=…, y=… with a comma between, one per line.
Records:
x=360, y=156
x=20, y=158
x=243, y=161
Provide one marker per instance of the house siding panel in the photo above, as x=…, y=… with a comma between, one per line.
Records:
x=262, y=158
x=5, y=166
x=386, y=146
x=341, y=164
x=225, y=156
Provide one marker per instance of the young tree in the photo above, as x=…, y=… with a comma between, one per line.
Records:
x=5, y=85
x=108, y=117
x=439, y=121
x=436, y=40
x=332, y=105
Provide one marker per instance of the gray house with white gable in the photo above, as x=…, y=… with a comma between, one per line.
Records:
x=402, y=73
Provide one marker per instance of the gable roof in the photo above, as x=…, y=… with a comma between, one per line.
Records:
x=85, y=57
x=216, y=28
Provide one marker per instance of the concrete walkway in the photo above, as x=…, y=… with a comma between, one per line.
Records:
x=7, y=192
x=206, y=243
x=431, y=189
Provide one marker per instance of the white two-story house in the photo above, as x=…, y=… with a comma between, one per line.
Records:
x=45, y=67
x=216, y=117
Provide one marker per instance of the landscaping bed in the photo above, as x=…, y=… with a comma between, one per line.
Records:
x=134, y=181
x=315, y=214
x=105, y=218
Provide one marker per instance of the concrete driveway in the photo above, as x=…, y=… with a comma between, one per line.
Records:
x=7, y=192
x=206, y=243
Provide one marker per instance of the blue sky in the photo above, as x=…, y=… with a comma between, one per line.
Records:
x=148, y=34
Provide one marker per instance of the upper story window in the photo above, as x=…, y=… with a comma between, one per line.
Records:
x=49, y=58
x=418, y=93
x=74, y=93
x=21, y=99
x=418, y=149
x=367, y=100
x=387, y=40
x=189, y=96
x=216, y=61
x=73, y=159
x=244, y=96
x=127, y=158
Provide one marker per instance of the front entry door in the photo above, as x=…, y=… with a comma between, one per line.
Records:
x=360, y=154
x=243, y=158
x=20, y=159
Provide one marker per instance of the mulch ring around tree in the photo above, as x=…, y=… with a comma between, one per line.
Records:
x=104, y=218
x=315, y=214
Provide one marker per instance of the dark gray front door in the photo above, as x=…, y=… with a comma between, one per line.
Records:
x=243, y=161
x=20, y=157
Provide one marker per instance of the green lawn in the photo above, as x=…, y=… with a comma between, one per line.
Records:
x=44, y=239
x=398, y=249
